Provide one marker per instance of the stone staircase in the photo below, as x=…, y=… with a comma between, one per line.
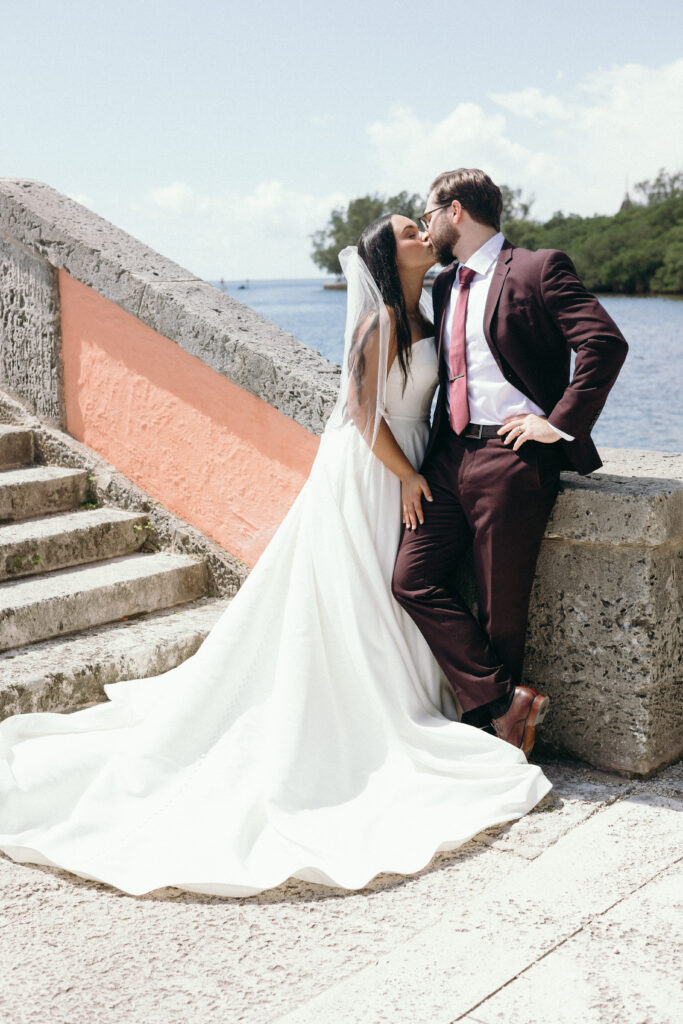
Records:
x=83, y=601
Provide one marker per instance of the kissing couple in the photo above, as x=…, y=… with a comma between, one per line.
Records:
x=306, y=737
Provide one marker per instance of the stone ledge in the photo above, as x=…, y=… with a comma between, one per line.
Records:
x=636, y=498
x=605, y=614
x=227, y=336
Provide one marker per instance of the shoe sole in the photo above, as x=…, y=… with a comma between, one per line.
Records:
x=537, y=712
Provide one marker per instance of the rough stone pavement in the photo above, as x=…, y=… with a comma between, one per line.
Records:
x=572, y=914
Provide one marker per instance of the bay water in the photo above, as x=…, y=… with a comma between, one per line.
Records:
x=644, y=409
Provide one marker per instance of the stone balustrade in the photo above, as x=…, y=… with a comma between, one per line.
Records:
x=216, y=413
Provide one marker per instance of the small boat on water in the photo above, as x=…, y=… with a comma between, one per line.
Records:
x=240, y=287
x=340, y=284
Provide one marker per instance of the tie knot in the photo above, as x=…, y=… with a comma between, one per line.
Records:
x=466, y=275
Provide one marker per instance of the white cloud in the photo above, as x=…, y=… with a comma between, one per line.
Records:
x=263, y=233
x=177, y=197
x=645, y=104
x=404, y=143
x=574, y=152
x=410, y=151
x=531, y=102
x=626, y=125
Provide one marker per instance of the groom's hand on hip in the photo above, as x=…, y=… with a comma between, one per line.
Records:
x=530, y=427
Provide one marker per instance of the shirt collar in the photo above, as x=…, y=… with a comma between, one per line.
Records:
x=482, y=260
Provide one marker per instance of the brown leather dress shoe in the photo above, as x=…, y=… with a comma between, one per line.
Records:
x=518, y=724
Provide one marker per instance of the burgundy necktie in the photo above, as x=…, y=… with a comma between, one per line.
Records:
x=457, y=377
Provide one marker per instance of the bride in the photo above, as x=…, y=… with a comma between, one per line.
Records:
x=304, y=738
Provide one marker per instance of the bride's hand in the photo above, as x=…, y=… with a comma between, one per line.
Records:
x=413, y=486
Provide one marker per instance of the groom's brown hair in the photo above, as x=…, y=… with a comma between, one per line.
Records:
x=475, y=192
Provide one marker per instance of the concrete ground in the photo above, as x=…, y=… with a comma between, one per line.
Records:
x=572, y=914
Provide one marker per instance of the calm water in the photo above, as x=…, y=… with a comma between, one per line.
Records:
x=644, y=409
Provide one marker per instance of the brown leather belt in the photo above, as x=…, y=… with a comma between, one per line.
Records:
x=482, y=430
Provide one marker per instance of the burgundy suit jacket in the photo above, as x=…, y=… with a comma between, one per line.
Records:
x=537, y=310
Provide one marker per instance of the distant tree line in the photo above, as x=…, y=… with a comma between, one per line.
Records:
x=635, y=251
x=346, y=225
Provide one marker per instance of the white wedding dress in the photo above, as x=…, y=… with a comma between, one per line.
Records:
x=303, y=739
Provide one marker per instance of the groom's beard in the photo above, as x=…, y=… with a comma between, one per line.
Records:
x=443, y=248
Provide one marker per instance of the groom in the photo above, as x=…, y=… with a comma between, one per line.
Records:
x=508, y=419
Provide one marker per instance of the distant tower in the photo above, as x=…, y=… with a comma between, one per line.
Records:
x=627, y=202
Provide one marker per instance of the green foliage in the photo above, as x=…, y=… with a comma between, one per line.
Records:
x=638, y=250
x=344, y=226
x=669, y=274
x=665, y=186
x=514, y=206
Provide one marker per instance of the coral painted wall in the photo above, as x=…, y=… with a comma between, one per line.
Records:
x=223, y=460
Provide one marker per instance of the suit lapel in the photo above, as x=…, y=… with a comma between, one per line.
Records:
x=444, y=292
x=448, y=279
x=497, y=281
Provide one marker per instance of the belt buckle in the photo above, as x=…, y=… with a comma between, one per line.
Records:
x=479, y=427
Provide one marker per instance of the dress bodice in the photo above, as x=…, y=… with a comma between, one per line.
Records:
x=415, y=402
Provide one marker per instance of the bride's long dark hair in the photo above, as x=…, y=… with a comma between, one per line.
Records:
x=377, y=249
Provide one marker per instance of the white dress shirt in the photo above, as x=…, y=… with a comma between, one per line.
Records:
x=492, y=399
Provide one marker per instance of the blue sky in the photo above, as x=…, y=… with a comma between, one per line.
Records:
x=222, y=133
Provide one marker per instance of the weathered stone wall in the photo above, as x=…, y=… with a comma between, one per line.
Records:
x=604, y=630
x=29, y=316
x=604, y=636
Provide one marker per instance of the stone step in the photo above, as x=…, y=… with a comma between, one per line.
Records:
x=39, y=489
x=34, y=546
x=69, y=600
x=68, y=672
x=16, y=446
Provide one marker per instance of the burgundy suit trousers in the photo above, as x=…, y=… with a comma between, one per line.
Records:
x=498, y=501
